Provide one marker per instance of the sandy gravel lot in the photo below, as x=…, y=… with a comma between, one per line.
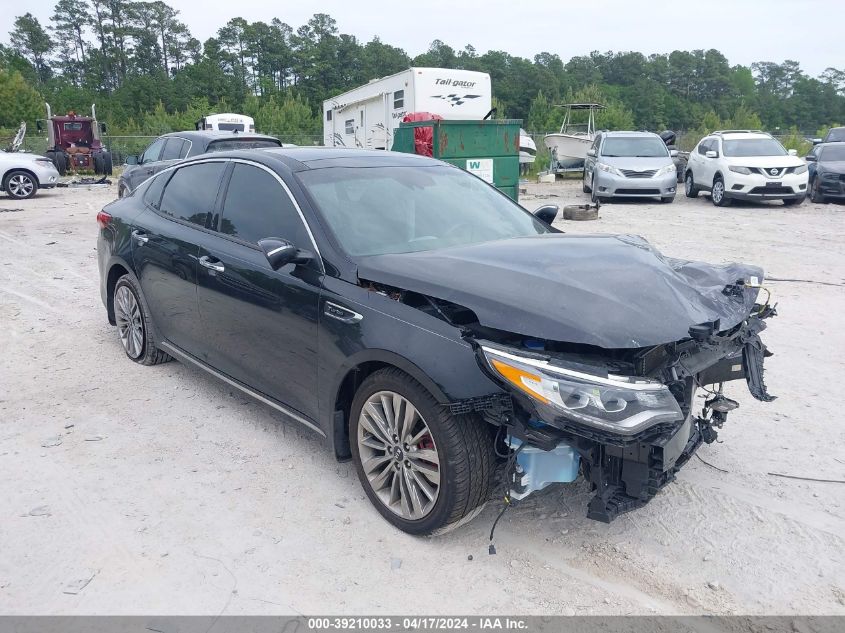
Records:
x=130, y=490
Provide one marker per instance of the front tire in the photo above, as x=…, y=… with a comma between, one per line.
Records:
x=690, y=189
x=717, y=194
x=815, y=194
x=584, y=186
x=20, y=185
x=423, y=468
x=134, y=325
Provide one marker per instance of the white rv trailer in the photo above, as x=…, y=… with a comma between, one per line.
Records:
x=227, y=122
x=366, y=117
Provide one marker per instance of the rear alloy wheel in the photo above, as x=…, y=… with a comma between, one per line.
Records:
x=20, y=185
x=689, y=186
x=424, y=469
x=133, y=324
x=717, y=195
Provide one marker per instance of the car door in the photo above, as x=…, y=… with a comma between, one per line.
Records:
x=706, y=171
x=260, y=324
x=165, y=249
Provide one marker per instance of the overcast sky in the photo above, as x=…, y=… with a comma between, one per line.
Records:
x=744, y=30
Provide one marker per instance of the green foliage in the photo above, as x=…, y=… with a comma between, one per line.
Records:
x=138, y=61
x=795, y=140
x=18, y=101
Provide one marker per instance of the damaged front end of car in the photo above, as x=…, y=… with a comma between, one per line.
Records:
x=625, y=419
x=600, y=346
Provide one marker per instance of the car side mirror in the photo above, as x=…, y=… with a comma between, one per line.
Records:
x=132, y=160
x=816, y=141
x=39, y=126
x=712, y=154
x=792, y=152
x=810, y=158
x=673, y=153
x=591, y=152
x=547, y=213
x=280, y=252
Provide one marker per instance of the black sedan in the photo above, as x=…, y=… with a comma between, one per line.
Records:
x=827, y=171
x=428, y=327
x=169, y=149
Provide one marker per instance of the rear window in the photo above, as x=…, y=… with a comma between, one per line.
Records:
x=753, y=147
x=192, y=191
x=242, y=143
x=230, y=127
x=835, y=134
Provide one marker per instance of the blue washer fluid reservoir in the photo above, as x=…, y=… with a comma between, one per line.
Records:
x=541, y=468
x=533, y=344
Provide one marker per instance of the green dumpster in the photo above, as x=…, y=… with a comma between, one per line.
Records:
x=489, y=149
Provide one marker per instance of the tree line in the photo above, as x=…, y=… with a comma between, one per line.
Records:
x=139, y=62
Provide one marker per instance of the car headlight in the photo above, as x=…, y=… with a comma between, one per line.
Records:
x=739, y=170
x=610, y=169
x=620, y=404
x=44, y=162
x=801, y=169
x=668, y=169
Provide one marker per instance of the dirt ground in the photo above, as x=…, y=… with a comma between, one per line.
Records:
x=132, y=490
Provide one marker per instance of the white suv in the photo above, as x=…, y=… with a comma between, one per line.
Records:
x=745, y=165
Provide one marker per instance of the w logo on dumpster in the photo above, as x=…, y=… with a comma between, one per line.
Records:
x=454, y=99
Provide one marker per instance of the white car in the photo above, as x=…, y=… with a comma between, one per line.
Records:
x=22, y=174
x=745, y=165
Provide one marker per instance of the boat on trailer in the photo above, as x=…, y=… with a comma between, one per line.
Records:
x=569, y=146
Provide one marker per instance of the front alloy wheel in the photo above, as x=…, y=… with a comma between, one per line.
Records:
x=718, y=194
x=424, y=468
x=398, y=455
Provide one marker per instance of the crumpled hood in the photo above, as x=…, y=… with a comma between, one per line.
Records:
x=612, y=291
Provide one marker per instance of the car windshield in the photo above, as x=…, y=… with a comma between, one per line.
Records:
x=836, y=153
x=379, y=210
x=635, y=146
x=753, y=147
x=242, y=143
x=835, y=134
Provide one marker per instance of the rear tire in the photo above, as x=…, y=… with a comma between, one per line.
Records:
x=462, y=445
x=108, y=166
x=20, y=185
x=97, y=159
x=690, y=189
x=135, y=327
x=717, y=194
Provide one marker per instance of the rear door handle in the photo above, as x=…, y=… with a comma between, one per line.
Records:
x=216, y=266
x=140, y=237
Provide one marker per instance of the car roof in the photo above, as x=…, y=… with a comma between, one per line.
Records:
x=214, y=135
x=734, y=134
x=305, y=158
x=630, y=134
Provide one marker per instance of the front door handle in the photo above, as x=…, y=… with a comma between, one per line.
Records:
x=216, y=266
x=140, y=237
